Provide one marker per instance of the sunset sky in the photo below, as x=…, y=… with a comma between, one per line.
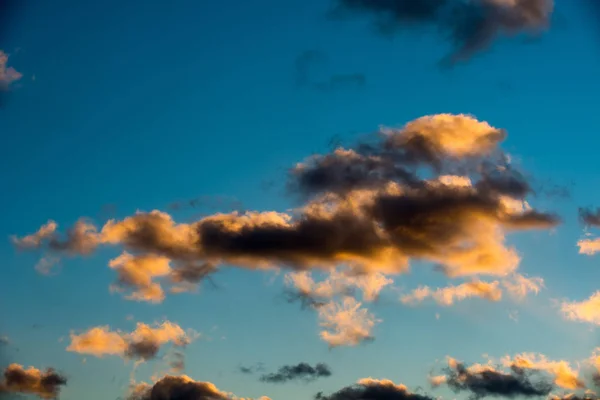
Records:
x=286, y=198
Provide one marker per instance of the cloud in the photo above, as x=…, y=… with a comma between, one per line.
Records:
x=180, y=387
x=142, y=344
x=373, y=389
x=575, y=396
x=374, y=224
x=339, y=282
x=137, y=273
x=449, y=295
x=589, y=246
x=590, y=217
x=346, y=323
x=252, y=368
x=563, y=374
x=471, y=26
x=517, y=285
x=177, y=363
x=36, y=239
x=301, y=371
x=485, y=380
x=44, y=384
x=583, y=311
x=8, y=75
x=483, y=210
x=438, y=190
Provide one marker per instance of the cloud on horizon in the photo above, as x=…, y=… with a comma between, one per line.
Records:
x=180, y=387
x=374, y=389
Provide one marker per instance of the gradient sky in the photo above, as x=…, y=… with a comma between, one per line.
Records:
x=125, y=106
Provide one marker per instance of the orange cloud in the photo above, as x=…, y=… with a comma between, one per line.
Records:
x=35, y=240
x=8, y=75
x=367, y=209
x=449, y=295
x=137, y=273
x=143, y=343
x=455, y=135
x=44, y=384
x=583, y=311
x=346, y=323
x=564, y=376
x=338, y=282
x=520, y=286
x=589, y=246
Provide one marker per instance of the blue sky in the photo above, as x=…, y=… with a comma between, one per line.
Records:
x=126, y=107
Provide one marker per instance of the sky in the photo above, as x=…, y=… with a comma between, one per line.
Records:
x=331, y=199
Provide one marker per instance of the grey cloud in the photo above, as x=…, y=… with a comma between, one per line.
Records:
x=302, y=371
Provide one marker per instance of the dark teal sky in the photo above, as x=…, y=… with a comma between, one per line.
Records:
x=130, y=105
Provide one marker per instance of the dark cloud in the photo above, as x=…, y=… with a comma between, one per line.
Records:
x=398, y=154
x=177, y=363
x=45, y=384
x=306, y=300
x=370, y=389
x=258, y=367
x=144, y=349
x=486, y=381
x=590, y=217
x=471, y=26
x=301, y=371
x=178, y=388
x=192, y=273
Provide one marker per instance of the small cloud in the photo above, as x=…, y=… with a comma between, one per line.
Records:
x=142, y=344
x=302, y=371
